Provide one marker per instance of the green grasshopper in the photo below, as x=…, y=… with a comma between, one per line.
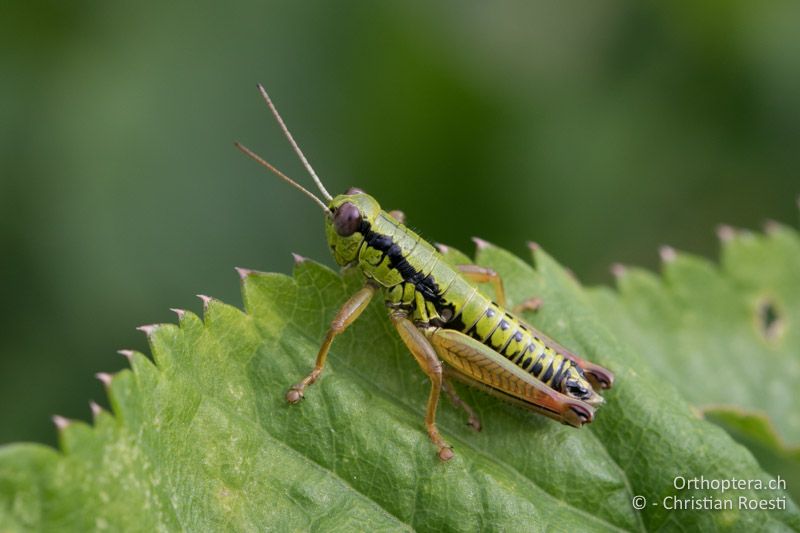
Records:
x=442, y=317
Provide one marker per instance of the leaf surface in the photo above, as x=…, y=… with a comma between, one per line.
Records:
x=727, y=336
x=202, y=439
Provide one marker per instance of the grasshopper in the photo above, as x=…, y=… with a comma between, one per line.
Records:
x=452, y=329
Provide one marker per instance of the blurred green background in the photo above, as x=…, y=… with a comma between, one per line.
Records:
x=600, y=129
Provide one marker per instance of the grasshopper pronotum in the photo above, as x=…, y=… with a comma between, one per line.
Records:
x=450, y=327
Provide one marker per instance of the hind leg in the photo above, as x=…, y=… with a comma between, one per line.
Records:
x=473, y=420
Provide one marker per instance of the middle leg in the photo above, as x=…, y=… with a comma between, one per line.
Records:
x=481, y=274
x=426, y=356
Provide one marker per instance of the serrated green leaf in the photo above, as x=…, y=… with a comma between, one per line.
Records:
x=755, y=431
x=203, y=439
x=727, y=336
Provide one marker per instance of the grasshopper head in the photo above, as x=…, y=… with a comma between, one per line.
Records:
x=352, y=214
x=577, y=386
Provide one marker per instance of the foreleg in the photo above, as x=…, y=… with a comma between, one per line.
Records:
x=349, y=312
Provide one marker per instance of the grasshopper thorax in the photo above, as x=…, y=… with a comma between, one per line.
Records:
x=351, y=216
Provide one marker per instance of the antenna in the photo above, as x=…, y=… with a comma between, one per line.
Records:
x=281, y=175
x=298, y=151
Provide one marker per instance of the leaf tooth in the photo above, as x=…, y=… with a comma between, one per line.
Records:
x=771, y=227
x=726, y=233
x=667, y=253
x=128, y=354
x=243, y=272
x=206, y=300
x=618, y=270
x=96, y=409
x=60, y=422
x=148, y=329
x=481, y=244
x=179, y=312
x=443, y=248
x=398, y=215
x=298, y=259
x=104, y=377
x=532, y=246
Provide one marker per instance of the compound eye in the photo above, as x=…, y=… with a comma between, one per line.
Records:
x=346, y=220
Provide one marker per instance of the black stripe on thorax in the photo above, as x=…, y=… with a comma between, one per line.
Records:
x=426, y=285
